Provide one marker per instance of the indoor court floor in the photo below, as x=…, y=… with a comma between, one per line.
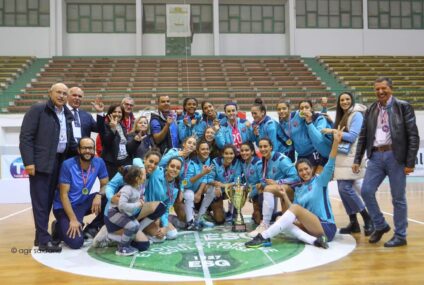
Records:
x=366, y=264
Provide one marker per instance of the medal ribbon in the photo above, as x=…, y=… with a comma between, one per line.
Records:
x=85, y=178
x=169, y=193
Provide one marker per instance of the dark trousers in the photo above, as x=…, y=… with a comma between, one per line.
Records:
x=42, y=187
x=82, y=210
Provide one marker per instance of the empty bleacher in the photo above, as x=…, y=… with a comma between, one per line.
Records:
x=218, y=80
x=11, y=67
x=360, y=72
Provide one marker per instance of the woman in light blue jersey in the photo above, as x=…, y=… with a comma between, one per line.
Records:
x=150, y=211
x=233, y=130
x=190, y=121
x=283, y=111
x=308, y=141
x=163, y=186
x=277, y=169
x=209, y=136
x=266, y=127
x=195, y=188
x=310, y=217
x=226, y=169
x=252, y=172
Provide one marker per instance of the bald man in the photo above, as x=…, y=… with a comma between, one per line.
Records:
x=46, y=139
x=83, y=123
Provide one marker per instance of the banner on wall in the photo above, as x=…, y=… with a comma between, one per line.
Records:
x=12, y=167
x=419, y=163
x=178, y=21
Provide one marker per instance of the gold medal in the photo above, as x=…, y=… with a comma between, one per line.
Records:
x=185, y=182
x=85, y=191
x=289, y=142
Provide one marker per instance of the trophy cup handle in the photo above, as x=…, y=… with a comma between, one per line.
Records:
x=227, y=191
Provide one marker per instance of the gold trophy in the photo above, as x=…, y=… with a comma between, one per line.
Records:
x=238, y=194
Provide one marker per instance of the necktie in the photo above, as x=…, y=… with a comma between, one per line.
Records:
x=76, y=118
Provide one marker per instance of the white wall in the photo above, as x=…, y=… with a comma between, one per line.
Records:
x=202, y=44
x=313, y=42
x=153, y=44
x=394, y=42
x=99, y=44
x=25, y=41
x=253, y=44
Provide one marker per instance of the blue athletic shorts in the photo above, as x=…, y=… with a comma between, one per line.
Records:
x=330, y=229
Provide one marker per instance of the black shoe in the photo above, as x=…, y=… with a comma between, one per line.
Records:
x=352, y=227
x=321, y=241
x=395, y=241
x=90, y=232
x=377, y=234
x=55, y=235
x=368, y=228
x=258, y=241
x=193, y=226
x=50, y=247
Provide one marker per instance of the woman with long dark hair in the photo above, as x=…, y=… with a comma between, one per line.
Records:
x=114, y=140
x=350, y=117
x=309, y=217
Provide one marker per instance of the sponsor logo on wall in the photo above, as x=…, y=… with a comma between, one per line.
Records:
x=12, y=167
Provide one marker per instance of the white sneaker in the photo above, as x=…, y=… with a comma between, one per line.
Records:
x=259, y=229
x=154, y=239
x=101, y=239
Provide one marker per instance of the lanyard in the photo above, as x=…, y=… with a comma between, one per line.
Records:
x=382, y=114
x=127, y=124
x=186, y=162
x=170, y=193
x=85, y=180
x=285, y=125
x=247, y=172
x=227, y=173
x=265, y=168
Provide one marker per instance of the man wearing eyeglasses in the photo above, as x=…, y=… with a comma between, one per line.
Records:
x=128, y=116
x=76, y=197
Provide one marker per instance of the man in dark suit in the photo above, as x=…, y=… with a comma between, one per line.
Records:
x=46, y=139
x=83, y=123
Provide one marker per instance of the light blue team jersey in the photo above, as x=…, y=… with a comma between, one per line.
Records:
x=197, y=129
x=279, y=168
x=285, y=134
x=307, y=138
x=72, y=174
x=252, y=172
x=225, y=133
x=195, y=167
x=224, y=174
x=313, y=195
x=173, y=152
x=269, y=128
x=158, y=189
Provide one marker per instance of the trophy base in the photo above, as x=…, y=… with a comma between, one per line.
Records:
x=239, y=228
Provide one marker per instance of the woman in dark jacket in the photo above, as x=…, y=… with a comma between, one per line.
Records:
x=114, y=140
x=140, y=141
